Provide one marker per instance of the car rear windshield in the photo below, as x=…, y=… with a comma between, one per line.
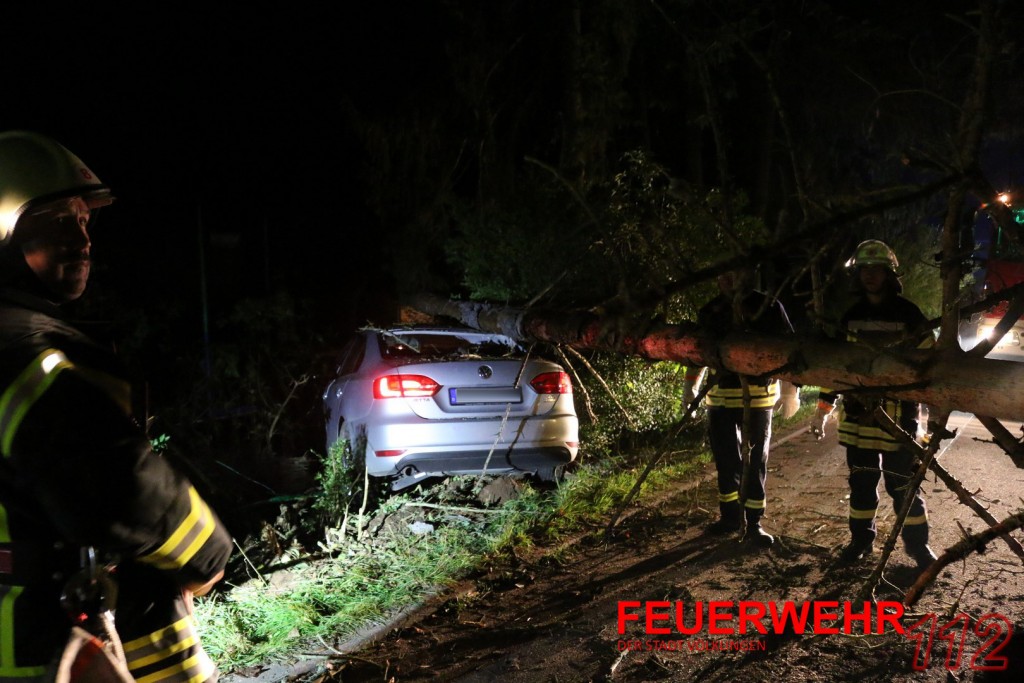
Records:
x=427, y=345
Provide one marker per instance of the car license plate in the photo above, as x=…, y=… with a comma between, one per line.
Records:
x=1011, y=338
x=481, y=395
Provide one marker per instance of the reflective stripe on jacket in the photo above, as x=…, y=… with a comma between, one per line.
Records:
x=865, y=433
x=76, y=470
x=761, y=395
x=895, y=323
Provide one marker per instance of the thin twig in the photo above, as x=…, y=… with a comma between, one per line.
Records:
x=975, y=543
x=579, y=383
x=608, y=389
x=248, y=561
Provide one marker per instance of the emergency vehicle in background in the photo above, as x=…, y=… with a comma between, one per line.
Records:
x=1000, y=265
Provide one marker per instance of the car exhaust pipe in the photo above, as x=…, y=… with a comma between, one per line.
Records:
x=406, y=478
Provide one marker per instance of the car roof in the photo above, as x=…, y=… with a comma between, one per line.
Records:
x=431, y=329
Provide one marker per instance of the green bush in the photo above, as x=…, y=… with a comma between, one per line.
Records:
x=642, y=398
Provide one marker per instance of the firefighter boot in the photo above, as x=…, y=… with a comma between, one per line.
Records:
x=731, y=520
x=862, y=544
x=855, y=551
x=915, y=541
x=755, y=534
x=922, y=555
x=862, y=540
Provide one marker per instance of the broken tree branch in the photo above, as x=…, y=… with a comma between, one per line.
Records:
x=951, y=482
x=1013, y=447
x=961, y=549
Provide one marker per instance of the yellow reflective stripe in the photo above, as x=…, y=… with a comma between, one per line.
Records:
x=8, y=594
x=919, y=519
x=186, y=540
x=157, y=638
x=754, y=504
x=868, y=444
x=195, y=669
x=761, y=396
x=20, y=673
x=25, y=390
x=862, y=514
x=164, y=654
x=873, y=433
x=728, y=497
x=5, y=530
x=716, y=402
x=160, y=644
x=871, y=438
x=756, y=390
x=35, y=379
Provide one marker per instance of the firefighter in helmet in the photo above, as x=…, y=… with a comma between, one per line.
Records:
x=884, y=319
x=741, y=496
x=77, y=476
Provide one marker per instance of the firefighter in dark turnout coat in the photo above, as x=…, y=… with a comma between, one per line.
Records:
x=738, y=307
x=75, y=469
x=883, y=319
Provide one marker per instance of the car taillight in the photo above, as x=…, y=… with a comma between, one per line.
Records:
x=552, y=383
x=407, y=386
x=998, y=310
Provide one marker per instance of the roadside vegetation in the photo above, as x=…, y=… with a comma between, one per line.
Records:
x=379, y=555
x=410, y=546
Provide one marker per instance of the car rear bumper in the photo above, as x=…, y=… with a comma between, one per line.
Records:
x=1009, y=347
x=474, y=462
x=460, y=446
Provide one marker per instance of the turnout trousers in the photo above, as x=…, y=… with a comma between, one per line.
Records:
x=867, y=466
x=725, y=431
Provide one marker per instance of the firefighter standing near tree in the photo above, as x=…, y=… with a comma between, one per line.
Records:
x=739, y=307
x=75, y=470
x=883, y=319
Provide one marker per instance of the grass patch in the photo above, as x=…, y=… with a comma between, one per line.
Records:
x=413, y=543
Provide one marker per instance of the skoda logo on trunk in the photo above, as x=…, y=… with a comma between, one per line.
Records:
x=484, y=371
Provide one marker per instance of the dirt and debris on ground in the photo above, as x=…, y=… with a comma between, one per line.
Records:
x=552, y=615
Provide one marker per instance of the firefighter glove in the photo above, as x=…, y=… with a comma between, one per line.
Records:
x=820, y=419
x=690, y=383
x=789, y=401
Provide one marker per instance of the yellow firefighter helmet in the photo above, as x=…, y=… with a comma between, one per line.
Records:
x=873, y=253
x=35, y=170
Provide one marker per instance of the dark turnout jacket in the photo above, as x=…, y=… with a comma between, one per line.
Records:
x=759, y=314
x=895, y=323
x=76, y=470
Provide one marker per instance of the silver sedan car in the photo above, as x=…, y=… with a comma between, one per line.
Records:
x=418, y=402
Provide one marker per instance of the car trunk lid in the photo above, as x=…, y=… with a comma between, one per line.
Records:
x=480, y=388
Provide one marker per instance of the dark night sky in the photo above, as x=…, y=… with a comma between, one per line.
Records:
x=234, y=115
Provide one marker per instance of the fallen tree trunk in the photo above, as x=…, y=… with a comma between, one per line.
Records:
x=946, y=380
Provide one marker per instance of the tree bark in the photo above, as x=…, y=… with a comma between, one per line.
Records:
x=945, y=380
